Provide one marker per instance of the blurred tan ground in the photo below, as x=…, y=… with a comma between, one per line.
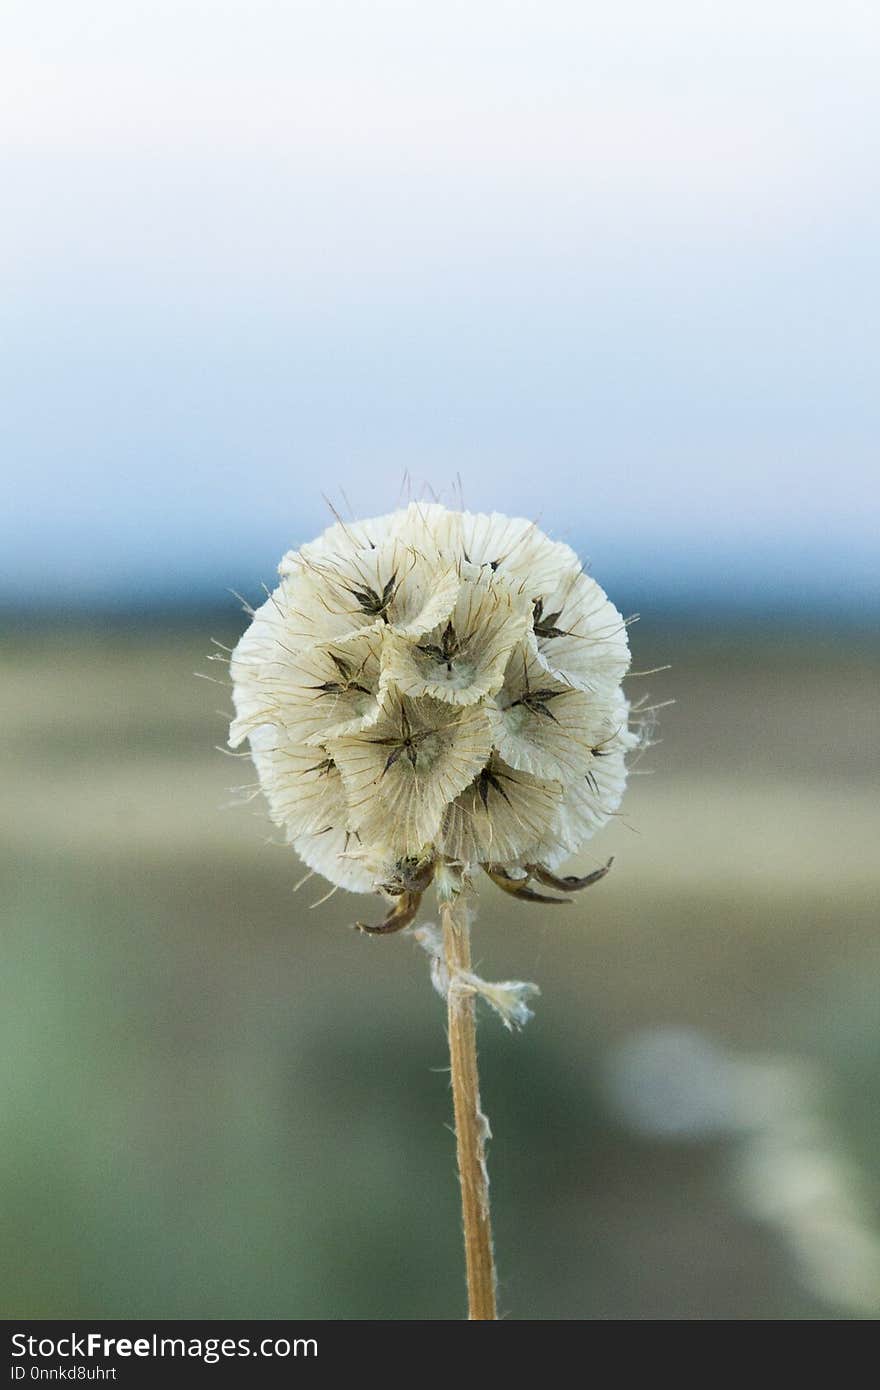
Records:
x=221, y=1103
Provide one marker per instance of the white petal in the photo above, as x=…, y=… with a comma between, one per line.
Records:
x=593, y=645
x=256, y=649
x=334, y=854
x=591, y=801
x=543, y=726
x=393, y=587
x=301, y=784
x=395, y=801
x=324, y=692
x=515, y=549
x=502, y=815
x=485, y=625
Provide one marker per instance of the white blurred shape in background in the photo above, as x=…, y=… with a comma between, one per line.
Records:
x=788, y=1167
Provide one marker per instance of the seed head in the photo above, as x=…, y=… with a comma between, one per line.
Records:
x=435, y=688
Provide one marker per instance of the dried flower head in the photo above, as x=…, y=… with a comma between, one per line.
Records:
x=436, y=688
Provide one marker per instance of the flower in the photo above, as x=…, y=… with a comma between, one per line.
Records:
x=435, y=687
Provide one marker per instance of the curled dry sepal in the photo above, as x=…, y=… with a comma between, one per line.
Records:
x=436, y=688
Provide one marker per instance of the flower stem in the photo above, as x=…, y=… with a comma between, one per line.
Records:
x=471, y=1126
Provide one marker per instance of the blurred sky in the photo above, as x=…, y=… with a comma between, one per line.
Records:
x=616, y=265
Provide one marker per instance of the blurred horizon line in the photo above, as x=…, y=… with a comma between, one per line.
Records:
x=664, y=606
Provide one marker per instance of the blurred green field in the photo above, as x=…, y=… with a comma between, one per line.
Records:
x=221, y=1103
